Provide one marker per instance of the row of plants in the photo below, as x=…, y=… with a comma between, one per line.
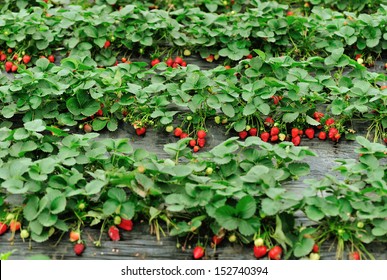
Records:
x=134, y=30
x=256, y=96
x=53, y=183
x=365, y=6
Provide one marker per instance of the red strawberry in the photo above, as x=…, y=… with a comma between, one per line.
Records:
x=99, y=113
x=140, y=131
x=336, y=137
x=175, y=65
x=201, y=134
x=155, y=62
x=198, y=252
x=178, y=60
x=318, y=115
x=332, y=132
x=15, y=56
x=315, y=248
x=249, y=56
x=274, y=131
x=322, y=135
x=309, y=132
x=260, y=251
x=385, y=140
x=74, y=236
x=51, y=58
x=275, y=253
x=169, y=62
x=124, y=59
x=184, y=64
x=107, y=44
x=265, y=136
x=300, y=132
x=216, y=239
x=296, y=140
x=10, y=50
x=126, y=224
x=201, y=142
x=114, y=233
x=3, y=57
x=354, y=256
x=242, y=134
x=253, y=131
x=269, y=121
x=294, y=132
x=183, y=135
x=329, y=122
x=196, y=149
x=210, y=58
x=79, y=248
x=274, y=138
x=3, y=228
x=8, y=66
x=14, y=225
x=87, y=128
x=14, y=68
x=177, y=132
x=26, y=59
x=192, y=142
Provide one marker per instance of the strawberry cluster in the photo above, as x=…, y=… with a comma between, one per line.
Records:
x=13, y=60
x=196, y=143
x=174, y=63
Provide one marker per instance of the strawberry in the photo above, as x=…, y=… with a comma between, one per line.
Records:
x=8, y=66
x=124, y=59
x=74, y=236
x=269, y=121
x=354, y=256
x=155, y=62
x=216, y=239
x=107, y=44
x=296, y=140
x=242, y=134
x=318, y=115
x=126, y=224
x=178, y=60
x=201, y=142
x=15, y=56
x=253, y=131
x=87, y=128
x=79, y=248
x=10, y=50
x=177, y=132
x=332, y=132
x=14, y=68
x=169, y=62
x=51, y=58
x=201, y=134
x=192, y=142
x=275, y=253
x=274, y=131
x=260, y=251
x=99, y=113
x=289, y=13
x=265, y=136
x=300, y=132
x=322, y=135
x=141, y=131
x=183, y=135
x=114, y=233
x=249, y=56
x=385, y=140
x=337, y=137
x=3, y=228
x=14, y=225
x=196, y=149
x=175, y=65
x=210, y=58
x=309, y=132
x=274, y=138
x=26, y=59
x=294, y=132
x=315, y=248
x=3, y=57
x=227, y=67
x=329, y=122
x=198, y=252
x=184, y=64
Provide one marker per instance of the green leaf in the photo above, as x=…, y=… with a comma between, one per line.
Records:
x=249, y=109
x=303, y=247
x=30, y=211
x=290, y=117
x=42, y=64
x=225, y=217
x=110, y=206
x=117, y=194
x=47, y=219
x=127, y=210
x=58, y=205
x=314, y=213
x=246, y=207
x=228, y=110
x=35, y=125
x=94, y=187
x=299, y=169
